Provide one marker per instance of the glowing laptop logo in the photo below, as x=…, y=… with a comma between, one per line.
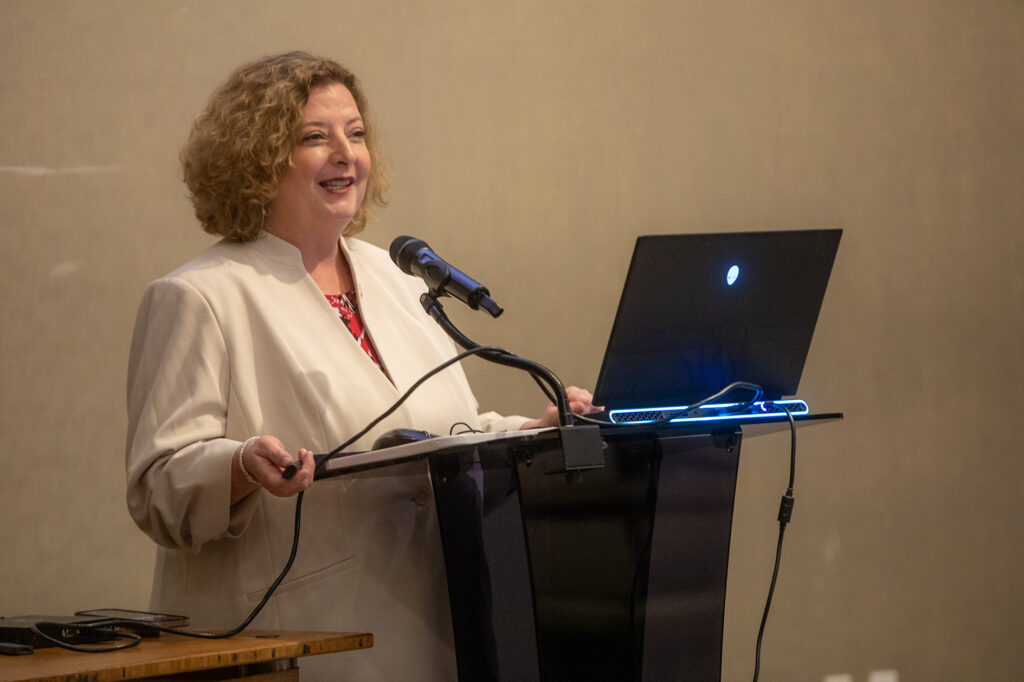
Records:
x=732, y=275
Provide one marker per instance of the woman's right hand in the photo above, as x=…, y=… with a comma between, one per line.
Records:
x=265, y=458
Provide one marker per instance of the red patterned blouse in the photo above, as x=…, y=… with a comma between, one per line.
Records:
x=349, y=312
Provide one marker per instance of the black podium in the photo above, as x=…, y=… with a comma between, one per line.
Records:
x=599, y=554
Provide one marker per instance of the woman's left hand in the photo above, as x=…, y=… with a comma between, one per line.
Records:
x=581, y=401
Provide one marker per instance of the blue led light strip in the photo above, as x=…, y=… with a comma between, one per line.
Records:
x=758, y=411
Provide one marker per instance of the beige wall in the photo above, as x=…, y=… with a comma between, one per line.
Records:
x=530, y=142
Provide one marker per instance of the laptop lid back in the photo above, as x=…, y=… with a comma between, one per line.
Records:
x=700, y=311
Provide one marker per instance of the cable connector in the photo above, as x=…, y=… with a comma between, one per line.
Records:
x=786, y=509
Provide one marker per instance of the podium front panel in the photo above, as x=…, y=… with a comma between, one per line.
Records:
x=614, y=573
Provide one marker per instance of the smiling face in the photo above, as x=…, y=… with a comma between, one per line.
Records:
x=326, y=181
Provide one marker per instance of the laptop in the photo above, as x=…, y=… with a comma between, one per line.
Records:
x=700, y=312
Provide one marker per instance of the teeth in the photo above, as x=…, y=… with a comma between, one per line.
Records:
x=335, y=184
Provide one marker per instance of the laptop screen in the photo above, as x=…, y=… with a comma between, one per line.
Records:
x=700, y=311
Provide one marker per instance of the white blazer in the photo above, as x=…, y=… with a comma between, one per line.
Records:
x=241, y=342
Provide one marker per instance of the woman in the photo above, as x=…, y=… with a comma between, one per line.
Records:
x=283, y=339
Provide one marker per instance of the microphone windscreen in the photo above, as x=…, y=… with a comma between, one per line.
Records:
x=402, y=251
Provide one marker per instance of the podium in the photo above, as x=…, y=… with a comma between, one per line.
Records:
x=584, y=553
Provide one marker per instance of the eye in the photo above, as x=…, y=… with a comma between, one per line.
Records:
x=314, y=136
x=358, y=134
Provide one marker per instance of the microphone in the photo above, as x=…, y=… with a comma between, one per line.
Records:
x=414, y=257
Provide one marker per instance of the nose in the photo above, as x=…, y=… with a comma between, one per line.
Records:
x=343, y=153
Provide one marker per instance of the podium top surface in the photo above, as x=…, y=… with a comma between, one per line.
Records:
x=359, y=461
x=397, y=454
x=174, y=654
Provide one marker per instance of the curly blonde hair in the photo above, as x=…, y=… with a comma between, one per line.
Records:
x=241, y=144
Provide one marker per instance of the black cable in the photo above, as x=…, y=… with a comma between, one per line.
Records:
x=599, y=422
x=547, y=391
x=103, y=629
x=757, y=393
x=100, y=633
x=538, y=371
x=785, y=513
x=444, y=365
x=675, y=414
x=468, y=429
x=336, y=452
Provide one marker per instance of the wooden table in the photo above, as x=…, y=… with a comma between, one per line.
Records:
x=253, y=655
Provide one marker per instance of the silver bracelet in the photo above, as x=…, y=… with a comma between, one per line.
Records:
x=241, y=465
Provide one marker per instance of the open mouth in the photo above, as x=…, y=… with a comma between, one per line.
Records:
x=337, y=184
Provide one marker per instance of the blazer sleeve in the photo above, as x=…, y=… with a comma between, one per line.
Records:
x=492, y=421
x=177, y=457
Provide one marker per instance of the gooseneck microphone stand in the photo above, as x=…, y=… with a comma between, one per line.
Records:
x=537, y=371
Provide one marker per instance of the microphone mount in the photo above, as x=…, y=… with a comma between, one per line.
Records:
x=438, y=276
x=539, y=372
